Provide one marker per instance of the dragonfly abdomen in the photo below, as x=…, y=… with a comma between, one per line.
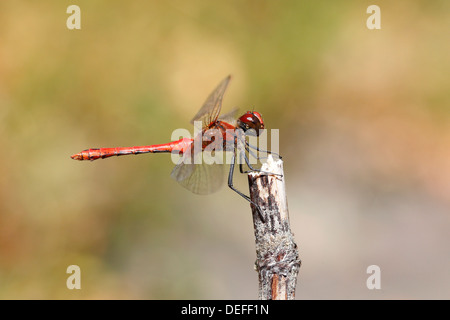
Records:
x=102, y=153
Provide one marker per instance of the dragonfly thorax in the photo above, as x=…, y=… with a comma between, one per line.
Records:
x=251, y=120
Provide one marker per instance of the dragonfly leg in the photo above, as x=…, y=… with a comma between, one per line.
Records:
x=259, y=150
x=241, y=167
x=230, y=184
x=252, y=169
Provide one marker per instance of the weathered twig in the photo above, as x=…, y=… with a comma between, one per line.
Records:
x=277, y=258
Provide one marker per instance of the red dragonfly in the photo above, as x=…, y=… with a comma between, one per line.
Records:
x=203, y=178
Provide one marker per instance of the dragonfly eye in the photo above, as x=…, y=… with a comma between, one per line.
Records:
x=251, y=120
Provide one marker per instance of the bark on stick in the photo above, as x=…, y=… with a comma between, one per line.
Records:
x=277, y=258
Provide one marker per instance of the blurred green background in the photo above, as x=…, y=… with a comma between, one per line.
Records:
x=364, y=129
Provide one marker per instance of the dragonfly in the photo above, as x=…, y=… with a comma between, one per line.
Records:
x=218, y=133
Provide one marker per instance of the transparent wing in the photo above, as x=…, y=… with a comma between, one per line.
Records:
x=210, y=110
x=230, y=117
x=199, y=178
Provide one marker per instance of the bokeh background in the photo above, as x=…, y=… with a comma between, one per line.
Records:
x=364, y=133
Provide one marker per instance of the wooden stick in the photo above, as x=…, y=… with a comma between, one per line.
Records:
x=277, y=258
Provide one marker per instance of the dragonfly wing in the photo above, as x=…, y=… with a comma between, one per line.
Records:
x=230, y=117
x=210, y=110
x=199, y=178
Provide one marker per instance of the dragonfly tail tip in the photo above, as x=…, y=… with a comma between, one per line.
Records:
x=76, y=157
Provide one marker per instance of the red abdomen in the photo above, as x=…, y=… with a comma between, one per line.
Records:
x=102, y=153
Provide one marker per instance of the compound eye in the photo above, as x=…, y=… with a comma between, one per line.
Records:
x=249, y=119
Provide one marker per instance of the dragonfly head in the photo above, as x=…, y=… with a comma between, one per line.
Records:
x=251, y=120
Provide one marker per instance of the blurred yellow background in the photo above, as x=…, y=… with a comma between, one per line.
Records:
x=364, y=133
